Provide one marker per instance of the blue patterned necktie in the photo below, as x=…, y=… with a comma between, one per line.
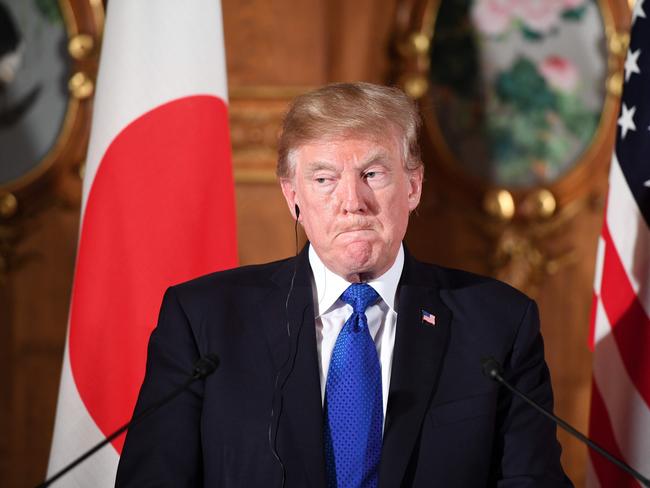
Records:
x=353, y=400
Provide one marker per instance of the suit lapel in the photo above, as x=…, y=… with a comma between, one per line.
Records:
x=297, y=401
x=417, y=360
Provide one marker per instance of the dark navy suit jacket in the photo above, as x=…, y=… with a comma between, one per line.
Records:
x=446, y=424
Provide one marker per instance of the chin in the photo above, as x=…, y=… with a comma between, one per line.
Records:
x=360, y=252
x=361, y=260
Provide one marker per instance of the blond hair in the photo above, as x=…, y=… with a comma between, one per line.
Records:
x=349, y=109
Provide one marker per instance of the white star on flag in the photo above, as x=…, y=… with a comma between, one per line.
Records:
x=626, y=120
x=638, y=10
x=632, y=63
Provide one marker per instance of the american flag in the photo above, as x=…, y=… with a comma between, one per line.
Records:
x=429, y=318
x=620, y=399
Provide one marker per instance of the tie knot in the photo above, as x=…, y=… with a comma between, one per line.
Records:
x=360, y=296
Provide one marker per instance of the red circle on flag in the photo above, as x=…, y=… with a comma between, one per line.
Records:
x=160, y=211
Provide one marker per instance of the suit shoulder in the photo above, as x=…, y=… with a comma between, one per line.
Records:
x=251, y=276
x=462, y=281
x=487, y=303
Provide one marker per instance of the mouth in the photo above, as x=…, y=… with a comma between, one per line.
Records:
x=357, y=227
x=363, y=230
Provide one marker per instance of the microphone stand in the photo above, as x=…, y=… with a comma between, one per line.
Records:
x=202, y=368
x=492, y=369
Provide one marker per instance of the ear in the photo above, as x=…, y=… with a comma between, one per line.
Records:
x=415, y=187
x=289, y=192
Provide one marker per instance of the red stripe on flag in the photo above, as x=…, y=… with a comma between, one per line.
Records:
x=629, y=322
x=600, y=430
x=592, y=321
x=160, y=211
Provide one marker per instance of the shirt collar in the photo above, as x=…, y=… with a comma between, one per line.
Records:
x=330, y=286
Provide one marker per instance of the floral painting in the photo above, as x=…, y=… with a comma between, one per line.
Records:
x=518, y=85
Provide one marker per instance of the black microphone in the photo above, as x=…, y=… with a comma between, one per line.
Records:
x=493, y=370
x=204, y=367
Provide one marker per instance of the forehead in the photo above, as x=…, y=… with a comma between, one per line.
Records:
x=355, y=150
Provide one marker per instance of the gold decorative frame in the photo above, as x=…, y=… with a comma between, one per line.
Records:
x=84, y=20
x=57, y=176
x=415, y=33
x=519, y=228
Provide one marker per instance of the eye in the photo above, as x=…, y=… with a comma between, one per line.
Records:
x=323, y=181
x=374, y=174
x=376, y=177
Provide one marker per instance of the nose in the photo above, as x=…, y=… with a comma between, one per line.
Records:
x=353, y=194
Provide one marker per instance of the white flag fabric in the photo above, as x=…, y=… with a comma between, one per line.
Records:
x=157, y=209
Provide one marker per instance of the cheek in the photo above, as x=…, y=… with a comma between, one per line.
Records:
x=397, y=215
x=318, y=207
x=317, y=216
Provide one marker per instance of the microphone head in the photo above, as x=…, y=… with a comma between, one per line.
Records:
x=491, y=367
x=206, y=365
x=297, y=208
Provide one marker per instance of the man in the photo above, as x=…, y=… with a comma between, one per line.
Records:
x=351, y=364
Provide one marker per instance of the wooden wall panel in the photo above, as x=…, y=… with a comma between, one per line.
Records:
x=359, y=40
x=275, y=43
x=265, y=227
x=6, y=384
x=39, y=290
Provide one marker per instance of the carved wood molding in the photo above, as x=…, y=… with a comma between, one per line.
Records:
x=256, y=114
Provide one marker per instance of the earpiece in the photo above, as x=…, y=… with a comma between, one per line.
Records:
x=274, y=419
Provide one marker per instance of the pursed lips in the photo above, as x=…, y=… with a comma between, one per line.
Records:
x=355, y=230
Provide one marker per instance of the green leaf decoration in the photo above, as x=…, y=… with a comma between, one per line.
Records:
x=578, y=119
x=524, y=87
x=574, y=15
x=530, y=34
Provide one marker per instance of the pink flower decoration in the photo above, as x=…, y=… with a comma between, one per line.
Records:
x=539, y=15
x=492, y=17
x=560, y=73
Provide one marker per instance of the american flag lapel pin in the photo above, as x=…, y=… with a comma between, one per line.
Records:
x=428, y=318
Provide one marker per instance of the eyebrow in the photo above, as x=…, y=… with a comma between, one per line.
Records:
x=318, y=166
x=380, y=157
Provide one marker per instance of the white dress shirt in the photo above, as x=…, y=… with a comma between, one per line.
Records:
x=332, y=312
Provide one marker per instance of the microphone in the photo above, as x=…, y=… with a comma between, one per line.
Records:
x=204, y=367
x=493, y=370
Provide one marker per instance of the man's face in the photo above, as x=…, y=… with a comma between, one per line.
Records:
x=354, y=196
